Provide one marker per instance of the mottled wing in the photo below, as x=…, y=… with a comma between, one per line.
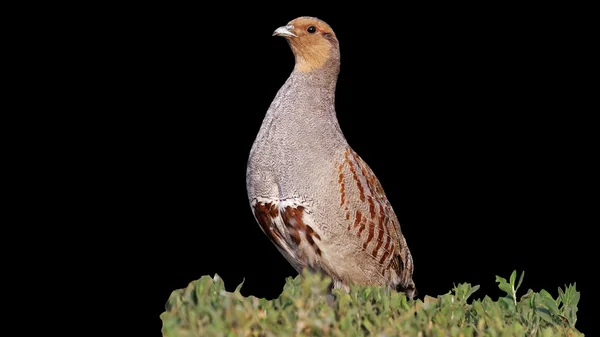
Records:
x=371, y=218
x=289, y=225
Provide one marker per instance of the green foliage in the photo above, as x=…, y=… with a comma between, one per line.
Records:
x=304, y=308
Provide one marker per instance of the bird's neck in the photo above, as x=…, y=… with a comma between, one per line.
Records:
x=324, y=76
x=305, y=107
x=307, y=95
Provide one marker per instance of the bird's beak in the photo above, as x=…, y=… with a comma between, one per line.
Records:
x=284, y=31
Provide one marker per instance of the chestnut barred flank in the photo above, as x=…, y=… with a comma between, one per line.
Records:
x=294, y=232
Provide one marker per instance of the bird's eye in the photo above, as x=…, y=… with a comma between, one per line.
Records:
x=311, y=29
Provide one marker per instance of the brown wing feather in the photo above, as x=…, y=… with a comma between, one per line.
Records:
x=373, y=214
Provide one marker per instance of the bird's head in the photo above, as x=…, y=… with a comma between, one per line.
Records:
x=313, y=43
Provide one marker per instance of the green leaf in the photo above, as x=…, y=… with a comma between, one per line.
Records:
x=503, y=285
x=238, y=289
x=532, y=301
x=551, y=304
x=429, y=300
x=527, y=295
x=568, y=314
x=569, y=290
x=520, y=280
x=367, y=324
x=478, y=308
x=573, y=301
x=572, y=315
x=506, y=288
x=562, y=298
x=513, y=278
x=546, y=294
x=547, y=332
x=545, y=316
x=506, y=303
x=472, y=291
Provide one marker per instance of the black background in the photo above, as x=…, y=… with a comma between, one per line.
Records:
x=475, y=120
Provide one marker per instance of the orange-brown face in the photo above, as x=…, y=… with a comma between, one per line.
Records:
x=311, y=40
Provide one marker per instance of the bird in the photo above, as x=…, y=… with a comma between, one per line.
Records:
x=313, y=196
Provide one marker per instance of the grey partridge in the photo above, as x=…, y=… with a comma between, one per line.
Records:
x=312, y=195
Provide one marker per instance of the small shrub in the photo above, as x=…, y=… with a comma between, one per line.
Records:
x=205, y=308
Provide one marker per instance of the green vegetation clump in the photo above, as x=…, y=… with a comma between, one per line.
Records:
x=205, y=308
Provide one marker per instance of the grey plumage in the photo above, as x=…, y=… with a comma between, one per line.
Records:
x=312, y=195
